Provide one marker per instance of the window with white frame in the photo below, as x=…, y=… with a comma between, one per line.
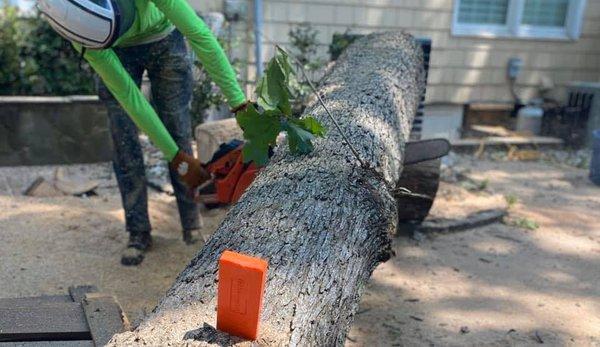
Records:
x=546, y=19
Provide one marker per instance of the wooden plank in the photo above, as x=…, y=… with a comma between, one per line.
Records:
x=42, y=188
x=491, y=130
x=505, y=141
x=104, y=316
x=80, y=343
x=44, y=322
x=78, y=293
x=491, y=107
x=33, y=301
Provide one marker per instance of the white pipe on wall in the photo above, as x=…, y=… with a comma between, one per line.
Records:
x=258, y=35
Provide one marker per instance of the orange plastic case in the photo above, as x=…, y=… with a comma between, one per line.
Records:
x=241, y=289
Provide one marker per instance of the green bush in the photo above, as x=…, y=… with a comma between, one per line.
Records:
x=9, y=49
x=34, y=60
x=305, y=46
x=206, y=93
x=340, y=42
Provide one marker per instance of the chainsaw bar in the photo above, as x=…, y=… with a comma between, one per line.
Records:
x=424, y=150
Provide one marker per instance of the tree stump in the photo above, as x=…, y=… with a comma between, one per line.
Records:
x=321, y=220
x=209, y=136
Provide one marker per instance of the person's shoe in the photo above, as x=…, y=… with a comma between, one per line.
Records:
x=137, y=246
x=189, y=238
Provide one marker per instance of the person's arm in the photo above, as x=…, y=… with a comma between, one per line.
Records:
x=206, y=47
x=118, y=81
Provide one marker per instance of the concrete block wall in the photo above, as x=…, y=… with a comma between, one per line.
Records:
x=53, y=130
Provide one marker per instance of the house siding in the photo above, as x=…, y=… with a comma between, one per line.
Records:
x=463, y=69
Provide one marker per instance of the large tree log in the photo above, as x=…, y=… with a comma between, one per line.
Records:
x=321, y=220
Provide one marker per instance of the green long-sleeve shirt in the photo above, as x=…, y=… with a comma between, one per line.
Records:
x=152, y=18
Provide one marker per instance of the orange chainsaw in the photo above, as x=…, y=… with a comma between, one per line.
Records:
x=231, y=176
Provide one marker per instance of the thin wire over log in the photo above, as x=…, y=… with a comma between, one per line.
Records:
x=314, y=90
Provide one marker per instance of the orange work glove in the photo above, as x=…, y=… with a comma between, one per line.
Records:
x=190, y=170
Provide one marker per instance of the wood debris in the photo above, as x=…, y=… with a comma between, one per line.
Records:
x=61, y=185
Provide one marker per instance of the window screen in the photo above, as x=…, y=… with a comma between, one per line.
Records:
x=551, y=13
x=484, y=11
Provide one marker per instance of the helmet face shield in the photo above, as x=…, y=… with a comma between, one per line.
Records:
x=93, y=24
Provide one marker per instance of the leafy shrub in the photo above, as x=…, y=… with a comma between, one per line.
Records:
x=340, y=42
x=9, y=49
x=511, y=200
x=526, y=223
x=34, y=60
x=275, y=95
x=206, y=94
x=305, y=45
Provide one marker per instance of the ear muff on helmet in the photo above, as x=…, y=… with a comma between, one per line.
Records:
x=127, y=13
x=94, y=24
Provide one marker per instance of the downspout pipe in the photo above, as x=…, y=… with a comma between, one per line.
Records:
x=258, y=35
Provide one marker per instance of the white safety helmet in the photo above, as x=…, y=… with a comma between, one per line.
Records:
x=94, y=24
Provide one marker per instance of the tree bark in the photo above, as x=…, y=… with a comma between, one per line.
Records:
x=321, y=220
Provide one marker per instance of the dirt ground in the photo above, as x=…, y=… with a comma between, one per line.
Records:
x=49, y=244
x=500, y=285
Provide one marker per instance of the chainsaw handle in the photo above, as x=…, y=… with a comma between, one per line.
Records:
x=193, y=193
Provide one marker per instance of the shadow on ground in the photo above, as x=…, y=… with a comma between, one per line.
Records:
x=497, y=285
